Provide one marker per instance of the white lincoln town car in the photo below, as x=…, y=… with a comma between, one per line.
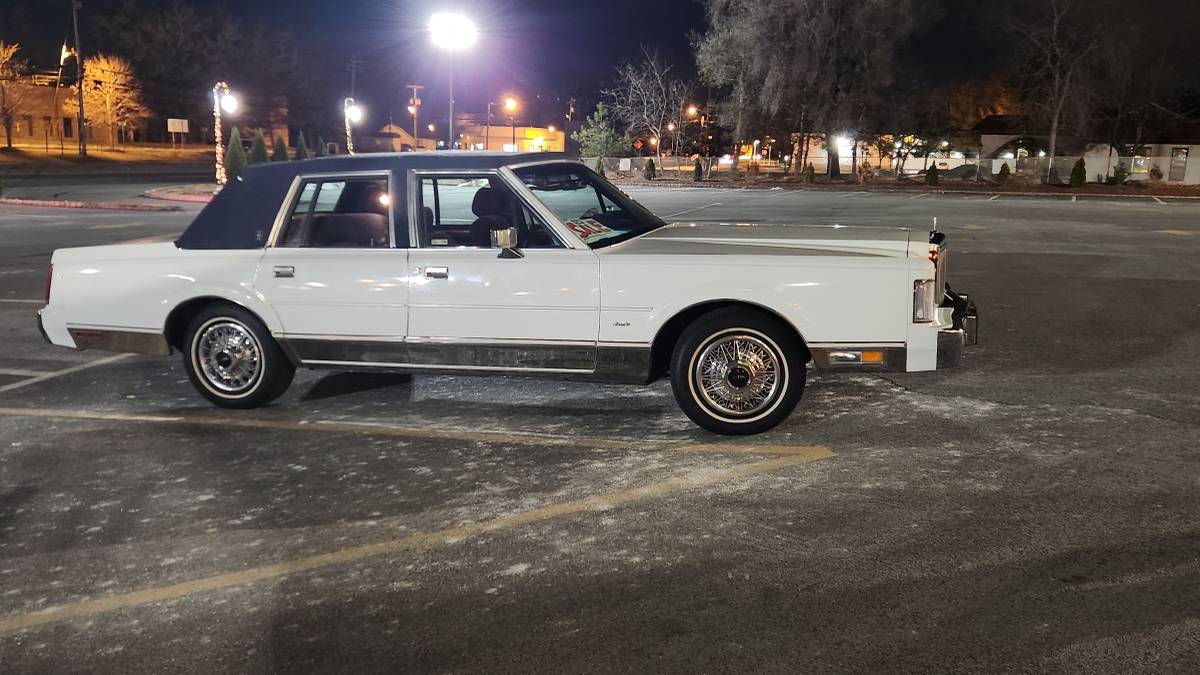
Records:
x=468, y=262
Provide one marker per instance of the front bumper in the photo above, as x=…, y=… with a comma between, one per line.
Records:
x=965, y=332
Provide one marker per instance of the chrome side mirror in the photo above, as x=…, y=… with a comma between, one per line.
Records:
x=506, y=240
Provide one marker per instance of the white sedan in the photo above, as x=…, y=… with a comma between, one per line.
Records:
x=463, y=262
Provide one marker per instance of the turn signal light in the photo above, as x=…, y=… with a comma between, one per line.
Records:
x=872, y=357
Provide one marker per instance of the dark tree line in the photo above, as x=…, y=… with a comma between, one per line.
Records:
x=1107, y=70
x=179, y=50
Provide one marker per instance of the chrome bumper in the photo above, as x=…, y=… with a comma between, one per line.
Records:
x=965, y=332
x=42, y=329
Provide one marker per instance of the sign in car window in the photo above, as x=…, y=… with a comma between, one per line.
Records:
x=589, y=229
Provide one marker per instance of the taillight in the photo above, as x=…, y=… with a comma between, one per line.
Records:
x=49, y=280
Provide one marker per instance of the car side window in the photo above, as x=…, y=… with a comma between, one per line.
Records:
x=339, y=213
x=462, y=211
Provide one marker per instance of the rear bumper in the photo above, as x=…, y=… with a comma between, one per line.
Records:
x=42, y=329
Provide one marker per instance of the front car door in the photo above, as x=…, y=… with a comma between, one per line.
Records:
x=332, y=273
x=470, y=308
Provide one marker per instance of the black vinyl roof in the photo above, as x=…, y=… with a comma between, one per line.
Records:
x=241, y=215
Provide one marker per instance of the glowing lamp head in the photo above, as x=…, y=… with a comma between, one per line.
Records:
x=692, y=110
x=510, y=104
x=412, y=110
x=452, y=31
x=354, y=113
x=432, y=128
x=671, y=126
x=229, y=103
x=551, y=129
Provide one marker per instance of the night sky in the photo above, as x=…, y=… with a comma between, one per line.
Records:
x=556, y=48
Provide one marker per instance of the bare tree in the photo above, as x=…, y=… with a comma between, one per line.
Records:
x=801, y=62
x=13, y=98
x=1059, y=42
x=646, y=96
x=110, y=86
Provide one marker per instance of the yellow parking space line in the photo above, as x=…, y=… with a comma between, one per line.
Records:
x=384, y=429
x=1179, y=233
x=64, y=371
x=21, y=301
x=21, y=372
x=747, y=449
x=424, y=540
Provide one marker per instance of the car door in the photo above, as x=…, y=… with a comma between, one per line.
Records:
x=470, y=307
x=332, y=273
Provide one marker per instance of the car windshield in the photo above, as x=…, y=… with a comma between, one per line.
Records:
x=591, y=207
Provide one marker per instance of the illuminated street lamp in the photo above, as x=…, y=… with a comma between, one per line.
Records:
x=452, y=32
x=510, y=104
x=223, y=101
x=692, y=110
x=353, y=114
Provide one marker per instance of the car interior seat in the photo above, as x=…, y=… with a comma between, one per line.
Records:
x=491, y=208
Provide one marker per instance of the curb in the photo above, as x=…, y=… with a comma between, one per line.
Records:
x=162, y=194
x=105, y=206
x=851, y=187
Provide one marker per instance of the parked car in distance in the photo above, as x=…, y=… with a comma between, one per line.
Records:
x=490, y=263
x=960, y=172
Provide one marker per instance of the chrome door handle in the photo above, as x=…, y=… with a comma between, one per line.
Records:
x=437, y=272
x=284, y=271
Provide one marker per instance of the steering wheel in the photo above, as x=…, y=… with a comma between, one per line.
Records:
x=590, y=213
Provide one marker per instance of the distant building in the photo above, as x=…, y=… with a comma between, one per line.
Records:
x=1175, y=151
x=392, y=138
x=45, y=118
x=505, y=138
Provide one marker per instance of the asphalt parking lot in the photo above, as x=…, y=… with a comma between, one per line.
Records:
x=1034, y=510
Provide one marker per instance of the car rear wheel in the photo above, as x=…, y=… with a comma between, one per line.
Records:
x=738, y=371
x=232, y=360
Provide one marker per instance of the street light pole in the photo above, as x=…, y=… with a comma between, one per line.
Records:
x=75, y=5
x=415, y=108
x=487, y=132
x=452, y=32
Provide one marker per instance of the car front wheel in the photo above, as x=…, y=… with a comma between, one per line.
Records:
x=738, y=371
x=232, y=360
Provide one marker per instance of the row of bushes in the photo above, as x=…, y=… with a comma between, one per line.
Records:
x=236, y=158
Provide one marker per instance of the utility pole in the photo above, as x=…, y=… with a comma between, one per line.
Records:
x=414, y=105
x=75, y=5
x=353, y=67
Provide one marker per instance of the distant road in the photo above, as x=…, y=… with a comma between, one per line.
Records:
x=106, y=185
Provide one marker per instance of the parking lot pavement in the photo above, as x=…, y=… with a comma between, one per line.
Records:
x=1033, y=510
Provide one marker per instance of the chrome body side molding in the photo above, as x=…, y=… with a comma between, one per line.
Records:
x=608, y=362
x=120, y=340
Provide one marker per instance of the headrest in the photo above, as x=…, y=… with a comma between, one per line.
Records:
x=488, y=201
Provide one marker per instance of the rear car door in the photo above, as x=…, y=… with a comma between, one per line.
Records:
x=332, y=272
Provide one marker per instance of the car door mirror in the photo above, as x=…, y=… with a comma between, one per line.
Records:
x=506, y=240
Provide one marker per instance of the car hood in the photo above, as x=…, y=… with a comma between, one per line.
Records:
x=764, y=239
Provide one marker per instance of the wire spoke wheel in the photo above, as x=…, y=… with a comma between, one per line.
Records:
x=229, y=356
x=738, y=375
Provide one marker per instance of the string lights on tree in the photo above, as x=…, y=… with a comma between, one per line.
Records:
x=223, y=101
